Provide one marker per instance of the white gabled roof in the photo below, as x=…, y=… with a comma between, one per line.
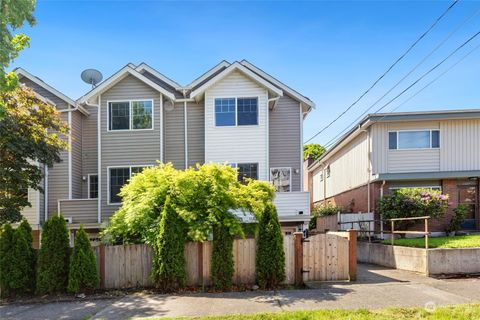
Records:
x=222, y=65
x=121, y=74
x=309, y=103
x=231, y=68
x=144, y=66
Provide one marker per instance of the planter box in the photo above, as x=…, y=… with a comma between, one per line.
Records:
x=440, y=261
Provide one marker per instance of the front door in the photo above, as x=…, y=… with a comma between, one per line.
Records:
x=468, y=195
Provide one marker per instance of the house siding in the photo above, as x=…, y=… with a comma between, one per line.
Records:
x=284, y=138
x=81, y=210
x=174, y=128
x=60, y=104
x=76, y=133
x=89, y=147
x=32, y=213
x=195, y=134
x=459, y=145
x=125, y=148
x=241, y=144
x=58, y=175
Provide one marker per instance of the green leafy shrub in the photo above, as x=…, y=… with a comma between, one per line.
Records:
x=16, y=262
x=459, y=215
x=82, y=275
x=322, y=211
x=52, y=268
x=412, y=202
x=27, y=232
x=270, y=260
x=222, y=258
x=169, y=265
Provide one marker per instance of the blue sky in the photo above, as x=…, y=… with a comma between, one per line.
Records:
x=328, y=51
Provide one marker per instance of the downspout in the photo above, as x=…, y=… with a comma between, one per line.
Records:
x=185, y=124
x=381, y=219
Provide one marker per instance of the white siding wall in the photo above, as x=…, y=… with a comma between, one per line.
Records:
x=32, y=213
x=460, y=145
x=291, y=203
x=317, y=192
x=242, y=144
x=459, y=148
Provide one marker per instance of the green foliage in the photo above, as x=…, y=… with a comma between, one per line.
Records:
x=29, y=133
x=83, y=275
x=270, y=260
x=169, y=263
x=16, y=263
x=322, y=211
x=459, y=215
x=313, y=150
x=203, y=196
x=412, y=202
x=52, y=268
x=27, y=233
x=13, y=14
x=222, y=258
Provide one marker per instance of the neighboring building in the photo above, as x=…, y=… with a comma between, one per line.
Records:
x=439, y=149
x=234, y=112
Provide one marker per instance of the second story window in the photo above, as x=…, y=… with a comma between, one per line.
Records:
x=130, y=115
x=281, y=179
x=236, y=111
x=118, y=177
x=414, y=139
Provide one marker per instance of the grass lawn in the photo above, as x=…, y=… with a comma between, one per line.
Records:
x=440, y=242
x=460, y=312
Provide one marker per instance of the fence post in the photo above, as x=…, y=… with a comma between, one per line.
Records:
x=352, y=254
x=101, y=256
x=200, y=265
x=392, y=234
x=297, y=237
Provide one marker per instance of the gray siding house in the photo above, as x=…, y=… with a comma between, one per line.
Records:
x=234, y=112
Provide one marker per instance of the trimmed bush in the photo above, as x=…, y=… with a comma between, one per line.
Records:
x=169, y=265
x=270, y=260
x=27, y=233
x=83, y=275
x=52, y=268
x=6, y=257
x=222, y=258
x=16, y=263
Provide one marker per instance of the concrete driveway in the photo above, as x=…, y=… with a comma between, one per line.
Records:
x=376, y=287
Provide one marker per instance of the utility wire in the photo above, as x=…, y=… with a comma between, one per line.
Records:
x=410, y=72
x=387, y=71
x=332, y=141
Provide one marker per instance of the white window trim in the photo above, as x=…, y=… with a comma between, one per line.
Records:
x=416, y=187
x=130, y=115
x=290, y=178
x=130, y=174
x=413, y=130
x=236, y=111
x=88, y=185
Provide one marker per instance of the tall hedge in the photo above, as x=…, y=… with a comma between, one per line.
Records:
x=270, y=260
x=169, y=265
x=222, y=258
x=27, y=232
x=6, y=257
x=83, y=275
x=16, y=262
x=52, y=268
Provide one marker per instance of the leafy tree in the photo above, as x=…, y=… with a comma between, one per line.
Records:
x=204, y=196
x=222, y=258
x=83, y=275
x=32, y=255
x=270, y=260
x=52, y=268
x=314, y=150
x=169, y=263
x=412, y=202
x=13, y=14
x=29, y=134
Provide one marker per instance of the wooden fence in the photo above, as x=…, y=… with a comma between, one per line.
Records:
x=325, y=256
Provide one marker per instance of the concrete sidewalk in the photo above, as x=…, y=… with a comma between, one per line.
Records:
x=376, y=287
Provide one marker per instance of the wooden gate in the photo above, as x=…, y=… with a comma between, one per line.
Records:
x=325, y=258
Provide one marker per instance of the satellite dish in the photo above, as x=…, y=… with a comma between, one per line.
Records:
x=168, y=105
x=91, y=76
